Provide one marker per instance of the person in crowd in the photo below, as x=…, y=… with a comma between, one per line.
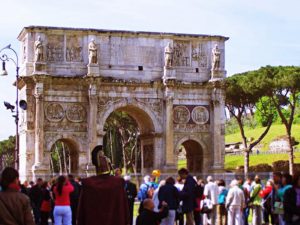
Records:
x=277, y=177
x=131, y=192
x=286, y=183
x=74, y=197
x=143, y=191
x=255, y=200
x=155, y=196
x=46, y=206
x=247, y=187
x=179, y=214
x=291, y=203
x=148, y=217
x=14, y=206
x=102, y=199
x=62, y=209
x=221, y=209
x=199, y=199
x=118, y=172
x=211, y=192
x=235, y=202
x=35, y=195
x=266, y=194
x=25, y=188
x=187, y=195
x=169, y=194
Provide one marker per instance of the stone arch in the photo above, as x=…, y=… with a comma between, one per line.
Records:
x=74, y=150
x=140, y=112
x=150, y=129
x=196, y=151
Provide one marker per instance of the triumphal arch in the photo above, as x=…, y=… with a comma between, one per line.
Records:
x=171, y=84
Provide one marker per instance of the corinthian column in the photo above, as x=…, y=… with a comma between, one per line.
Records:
x=218, y=112
x=169, y=132
x=39, y=125
x=92, y=120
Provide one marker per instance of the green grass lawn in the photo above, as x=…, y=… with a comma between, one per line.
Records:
x=275, y=131
x=232, y=161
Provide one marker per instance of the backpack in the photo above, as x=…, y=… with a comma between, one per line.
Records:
x=222, y=196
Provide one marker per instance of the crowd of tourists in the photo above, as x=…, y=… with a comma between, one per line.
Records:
x=175, y=200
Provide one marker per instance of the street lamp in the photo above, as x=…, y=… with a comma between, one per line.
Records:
x=5, y=58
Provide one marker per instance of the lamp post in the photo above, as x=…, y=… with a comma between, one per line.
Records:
x=5, y=58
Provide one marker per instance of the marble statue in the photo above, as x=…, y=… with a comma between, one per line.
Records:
x=38, y=47
x=168, y=55
x=93, y=52
x=216, y=55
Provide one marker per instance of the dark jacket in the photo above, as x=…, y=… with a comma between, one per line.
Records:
x=36, y=196
x=187, y=195
x=15, y=208
x=148, y=217
x=131, y=191
x=170, y=195
x=290, y=207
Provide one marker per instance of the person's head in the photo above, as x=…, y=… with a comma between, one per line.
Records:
x=286, y=179
x=257, y=179
x=147, y=179
x=39, y=182
x=209, y=179
x=61, y=181
x=71, y=177
x=25, y=183
x=170, y=180
x=270, y=183
x=148, y=204
x=234, y=183
x=221, y=183
x=45, y=185
x=127, y=177
x=118, y=172
x=102, y=163
x=183, y=173
x=9, y=176
x=277, y=176
x=249, y=180
x=201, y=182
x=240, y=181
x=31, y=183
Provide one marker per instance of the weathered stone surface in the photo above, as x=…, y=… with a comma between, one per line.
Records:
x=73, y=88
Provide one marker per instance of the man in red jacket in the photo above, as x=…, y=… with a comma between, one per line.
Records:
x=103, y=199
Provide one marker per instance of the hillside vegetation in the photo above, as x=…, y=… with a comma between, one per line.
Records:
x=275, y=131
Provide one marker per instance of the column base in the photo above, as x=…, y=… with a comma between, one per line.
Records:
x=93, y=70
x=169, y=74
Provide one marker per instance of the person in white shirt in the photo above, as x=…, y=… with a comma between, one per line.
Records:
x=235, y=202
x=211, y=192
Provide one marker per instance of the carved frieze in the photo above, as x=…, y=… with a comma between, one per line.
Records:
x=105, y=101
x=199, y=55
x=54, y=112
x=54, y=48
x=200, y=115
x=154, y=104
x=181, y=114
x=191, y=128
x=74, y=49
x=181, y=53
x=76, y=113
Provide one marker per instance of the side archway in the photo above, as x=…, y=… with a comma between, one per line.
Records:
x=195, y=153
x=64, y=156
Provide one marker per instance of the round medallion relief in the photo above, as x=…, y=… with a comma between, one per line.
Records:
x=181, y=114
x=200, y=115
x=76, y=113
x=54, y=112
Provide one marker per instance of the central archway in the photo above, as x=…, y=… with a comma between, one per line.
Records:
x=146, y=140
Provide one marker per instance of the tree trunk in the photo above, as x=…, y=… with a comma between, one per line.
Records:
x=246, y=162
x=59, y=159
x=64, y=157
x=111, y=147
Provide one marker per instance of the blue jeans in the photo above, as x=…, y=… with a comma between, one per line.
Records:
x=62, y=215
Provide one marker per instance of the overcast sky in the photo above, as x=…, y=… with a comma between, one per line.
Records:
x=262, y=32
